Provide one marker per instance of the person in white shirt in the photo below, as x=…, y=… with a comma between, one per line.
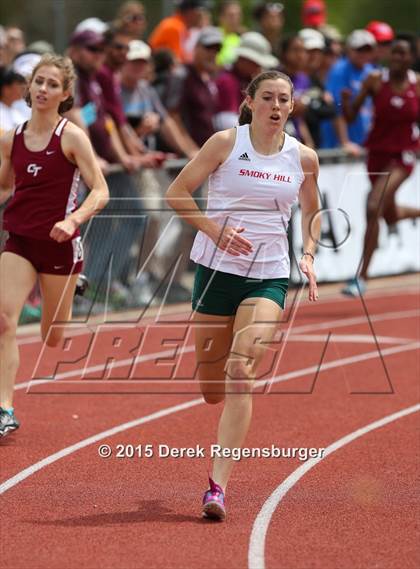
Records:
x=256, y=173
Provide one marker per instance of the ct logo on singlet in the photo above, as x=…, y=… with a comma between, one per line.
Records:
x=33, y=169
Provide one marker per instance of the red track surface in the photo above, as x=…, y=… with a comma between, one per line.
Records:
x=354, y=509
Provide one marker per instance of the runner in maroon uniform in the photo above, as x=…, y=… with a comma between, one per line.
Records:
x=41, y=160
x=392, y=144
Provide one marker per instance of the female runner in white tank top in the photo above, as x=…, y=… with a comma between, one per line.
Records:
x=256, y=172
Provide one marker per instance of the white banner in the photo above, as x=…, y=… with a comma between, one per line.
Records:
x=344, y=188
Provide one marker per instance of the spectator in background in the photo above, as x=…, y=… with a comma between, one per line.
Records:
x=147, y=116
x=15, y=43
x=164, y=66
x=3, y=42
x=173, y=32
x=318, y=102
x=193, y=104
x=349, y=73
x=270, y=19
x=142, y=105
x=116, y=45
x=383, y=34
x=294, y=64
x=12, y=89
x=108, y=241
x=23, y=64
x=195, y=94
x=416, y=65
x=40, y=46
x=230, y=24
x=314, y=14
x=94, y=24
x=252, y=56
x=204, y=21
x=131, y=19
x=86, y=50
x=334, y=47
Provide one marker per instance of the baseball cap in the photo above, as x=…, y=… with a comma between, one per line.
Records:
x=41, y=47
x=138, y=49
x=94, y=24
x=312, y=39
x=24, y=63
x=381, y=31
x=360, y=38
x=86, y=38
x=314, y=13
x=255, y=47
x=210, y=35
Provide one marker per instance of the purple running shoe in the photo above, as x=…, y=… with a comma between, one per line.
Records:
x=214, y=502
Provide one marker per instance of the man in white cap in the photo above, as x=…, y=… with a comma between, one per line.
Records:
x=252, y=56
x=348, y=73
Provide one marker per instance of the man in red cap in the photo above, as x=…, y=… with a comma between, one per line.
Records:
x=314, y=14
x=384, y=34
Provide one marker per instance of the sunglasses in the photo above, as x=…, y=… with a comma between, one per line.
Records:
x=135, y=18
x=120, y=46
x=94, y=48
x=214, y=47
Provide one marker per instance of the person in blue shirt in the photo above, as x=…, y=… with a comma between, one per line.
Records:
x=348, y=73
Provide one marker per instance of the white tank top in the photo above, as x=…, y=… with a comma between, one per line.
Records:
x=256, y=192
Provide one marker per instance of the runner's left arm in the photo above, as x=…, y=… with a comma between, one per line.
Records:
x=78, y=149
x=311, y=222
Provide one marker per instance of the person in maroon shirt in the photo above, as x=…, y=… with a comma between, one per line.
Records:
x=392, y=144
x=42, y=160
x=116, y=45
x=195, y=95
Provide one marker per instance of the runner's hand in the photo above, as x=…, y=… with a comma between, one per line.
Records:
x=63, y=230
x=307, y=268
x=229, y=240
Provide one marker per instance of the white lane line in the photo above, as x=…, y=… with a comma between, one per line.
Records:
x=188, y=349
x=349, y=338
x=23, y=474
x=20, y=476
x=90, y=327
x=259, y=531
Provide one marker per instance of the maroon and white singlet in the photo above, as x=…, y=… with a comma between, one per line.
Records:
x=46, y=185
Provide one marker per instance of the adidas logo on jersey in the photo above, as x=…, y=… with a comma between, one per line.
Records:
x=244, y=156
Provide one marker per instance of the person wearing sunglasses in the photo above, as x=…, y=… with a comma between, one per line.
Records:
x=116, y=46
x=131, y=19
